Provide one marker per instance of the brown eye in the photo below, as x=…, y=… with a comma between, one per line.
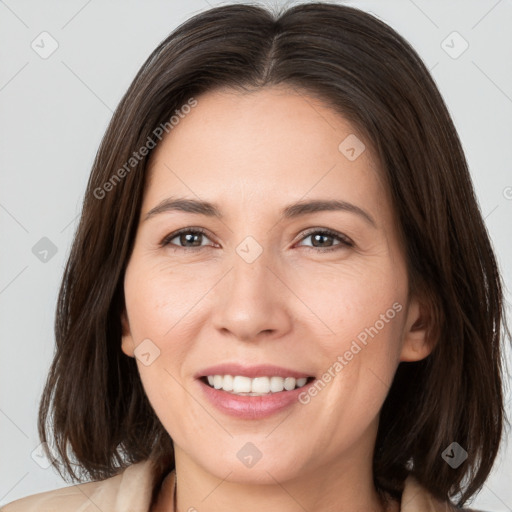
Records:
x=186, y=238
x=327, y=240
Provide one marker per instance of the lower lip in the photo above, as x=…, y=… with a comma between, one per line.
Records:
x=252, y=407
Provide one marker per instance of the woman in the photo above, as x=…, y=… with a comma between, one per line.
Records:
x=281, y=292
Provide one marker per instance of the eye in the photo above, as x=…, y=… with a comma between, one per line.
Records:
x=187, y=238
x=321, y=239
x=324, y=240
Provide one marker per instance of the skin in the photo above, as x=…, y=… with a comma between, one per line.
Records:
x=295, y=306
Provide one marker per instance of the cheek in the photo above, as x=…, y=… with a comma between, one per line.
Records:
x=161, y=299
x=363, y=315
x=167, y=305
x=352, y=303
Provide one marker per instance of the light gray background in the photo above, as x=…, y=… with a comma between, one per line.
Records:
x=54, y=112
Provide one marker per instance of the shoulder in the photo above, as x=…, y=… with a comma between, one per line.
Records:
x=415, y=497
x=74, y=497
x=130, y=489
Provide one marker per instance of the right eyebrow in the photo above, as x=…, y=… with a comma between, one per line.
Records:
x=185, y=205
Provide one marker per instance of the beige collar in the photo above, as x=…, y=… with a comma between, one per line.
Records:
x=131, y=490
x=414, y=498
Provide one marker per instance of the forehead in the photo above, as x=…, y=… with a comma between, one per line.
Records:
x=275, y=144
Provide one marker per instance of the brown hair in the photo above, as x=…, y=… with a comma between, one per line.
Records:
x=94, y=407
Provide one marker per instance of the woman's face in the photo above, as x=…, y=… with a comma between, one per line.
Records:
x=318, y=292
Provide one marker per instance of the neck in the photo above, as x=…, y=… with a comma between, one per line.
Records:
x=340, y=486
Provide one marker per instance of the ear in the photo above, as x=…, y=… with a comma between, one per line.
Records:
x=127, y=343
x=416, y=344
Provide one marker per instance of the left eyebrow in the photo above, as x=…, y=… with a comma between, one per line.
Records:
x=291, y=211
x=319, y=205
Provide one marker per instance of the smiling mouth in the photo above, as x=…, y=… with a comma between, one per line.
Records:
x=258, y=386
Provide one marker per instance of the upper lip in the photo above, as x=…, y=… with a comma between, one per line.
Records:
x=260, y=370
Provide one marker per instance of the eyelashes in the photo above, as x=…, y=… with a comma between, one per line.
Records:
x=196, y=236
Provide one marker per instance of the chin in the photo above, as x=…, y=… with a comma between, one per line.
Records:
x=231, y=467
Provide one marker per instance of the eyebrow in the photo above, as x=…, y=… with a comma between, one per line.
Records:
x=291, y=211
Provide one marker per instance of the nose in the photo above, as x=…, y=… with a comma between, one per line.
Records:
x=251, y=302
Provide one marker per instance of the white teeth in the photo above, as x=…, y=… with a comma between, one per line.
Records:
x=289, y=383
x=260, y=385
x=276, y=384
x=241, y=385
x=217, y=381
x=227, y=383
